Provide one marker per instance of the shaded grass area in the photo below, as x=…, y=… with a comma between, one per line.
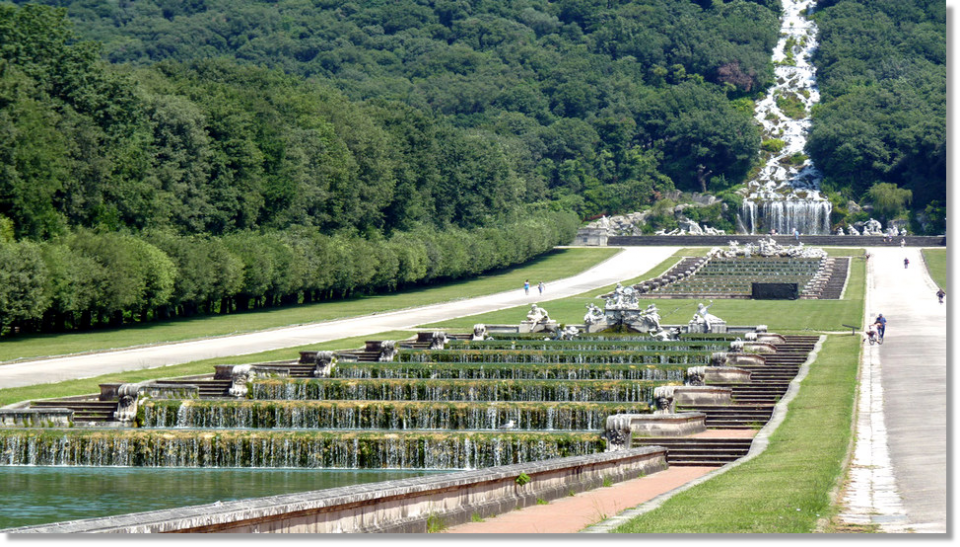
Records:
x=787, y=488
x=936, y=260
x=557, y=264
x=92, y=385
x=783, y=316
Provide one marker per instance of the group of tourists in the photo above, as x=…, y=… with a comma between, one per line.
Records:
x=526, y=287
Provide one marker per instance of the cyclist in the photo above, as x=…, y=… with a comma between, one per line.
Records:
x=881, y=324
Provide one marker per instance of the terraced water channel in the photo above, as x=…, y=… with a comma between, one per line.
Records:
x=424, y=411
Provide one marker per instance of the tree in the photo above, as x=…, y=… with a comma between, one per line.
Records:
x=888, y=200
x=23, y=280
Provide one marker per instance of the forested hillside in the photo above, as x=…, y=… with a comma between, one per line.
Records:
x=598, y=105
x=312, y=149
x=881, y=125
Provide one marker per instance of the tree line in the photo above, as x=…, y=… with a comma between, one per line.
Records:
x=90, y=278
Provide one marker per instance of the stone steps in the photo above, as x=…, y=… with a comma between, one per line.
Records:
x=699, y=451
x=833, y=288
x=208, y=389
x=736, y=416
x=83, y=411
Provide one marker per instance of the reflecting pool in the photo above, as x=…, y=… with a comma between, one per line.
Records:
x=40, y=495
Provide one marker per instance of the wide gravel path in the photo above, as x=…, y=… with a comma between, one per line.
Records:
x=627, y=264
x=899, y=475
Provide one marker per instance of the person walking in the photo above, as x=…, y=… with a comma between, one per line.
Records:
x=906, y=262
x=940, y=295
x=526, y=287
x=541, y=286
x=796, y=234
x=902, y=242
x=881, y=324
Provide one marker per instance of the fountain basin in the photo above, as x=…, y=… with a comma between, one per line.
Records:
x=388, y=507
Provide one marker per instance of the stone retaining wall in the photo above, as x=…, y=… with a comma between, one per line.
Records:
x=784, y=239
x=388, y=507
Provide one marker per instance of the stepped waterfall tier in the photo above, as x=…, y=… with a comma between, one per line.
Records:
x=391, y=415
x=465, y=404
x=786, y=196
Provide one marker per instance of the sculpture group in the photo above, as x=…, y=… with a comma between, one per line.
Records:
x=873, y=228
x=766, y=248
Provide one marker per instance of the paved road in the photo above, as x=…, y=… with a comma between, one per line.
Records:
x=914, y=379
x=629, y=263
x=898, y=477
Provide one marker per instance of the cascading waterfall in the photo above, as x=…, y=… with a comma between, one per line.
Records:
x=619, y=391
x=283, y=450
x=441, y=409
x=662, y=370
x=786, y=194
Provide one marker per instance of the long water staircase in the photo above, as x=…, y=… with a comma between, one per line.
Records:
x=517, y=398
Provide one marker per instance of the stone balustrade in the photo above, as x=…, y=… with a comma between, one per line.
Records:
x=398, y=506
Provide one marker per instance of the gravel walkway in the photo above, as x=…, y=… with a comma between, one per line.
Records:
x=629, y=263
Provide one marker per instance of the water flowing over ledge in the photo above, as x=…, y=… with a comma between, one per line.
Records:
x=786, y=194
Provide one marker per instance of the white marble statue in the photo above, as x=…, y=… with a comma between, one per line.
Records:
x=704, y=320
x=873, y=227
x=537, y=314
x=594, y=315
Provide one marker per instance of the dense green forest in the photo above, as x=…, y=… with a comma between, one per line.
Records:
x=313, y=149
x=600, y=106
x=373, y=147
x=881, y=127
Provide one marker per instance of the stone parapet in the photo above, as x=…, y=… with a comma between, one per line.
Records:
x=726, y=374
x=388, y=507
x=660, y=425
x=701, y=395
x=36, y=417
x=783, y=239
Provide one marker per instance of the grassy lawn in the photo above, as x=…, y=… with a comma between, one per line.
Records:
x=786, y=489
x=790, y=317
x=555, y=265
x=92, y=385
x=936, y=260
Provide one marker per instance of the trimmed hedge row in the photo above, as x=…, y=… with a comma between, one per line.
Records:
x=90, y=278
